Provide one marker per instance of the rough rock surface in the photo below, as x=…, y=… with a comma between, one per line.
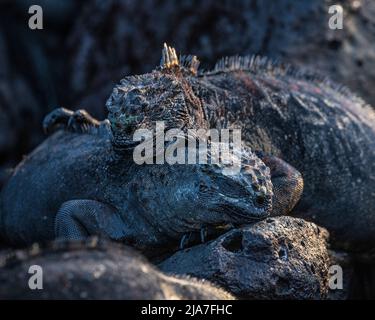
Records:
x=93, y=270
x=278, y=258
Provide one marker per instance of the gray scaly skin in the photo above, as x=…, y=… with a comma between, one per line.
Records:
x=321, y=129
x=80, y=183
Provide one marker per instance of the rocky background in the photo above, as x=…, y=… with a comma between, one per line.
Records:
x=87, y=46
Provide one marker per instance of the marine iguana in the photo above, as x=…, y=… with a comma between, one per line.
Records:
x=320, y=128
x=75, y=185
x=83, y=181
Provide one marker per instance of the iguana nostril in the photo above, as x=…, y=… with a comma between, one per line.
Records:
x=129, y=129
x=260, y=200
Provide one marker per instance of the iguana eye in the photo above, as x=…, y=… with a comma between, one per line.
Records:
x=135, y=100
x=230, y=188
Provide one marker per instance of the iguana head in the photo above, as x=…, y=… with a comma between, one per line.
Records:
x=162, y=95
x=183, y=197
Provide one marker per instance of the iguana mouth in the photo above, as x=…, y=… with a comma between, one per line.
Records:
x=124, y=145
x=239, y=214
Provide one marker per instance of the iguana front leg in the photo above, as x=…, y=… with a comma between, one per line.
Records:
x=287, y=184
x=76, y=121
x=78, y=219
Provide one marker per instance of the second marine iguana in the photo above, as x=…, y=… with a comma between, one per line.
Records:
x=320, y=128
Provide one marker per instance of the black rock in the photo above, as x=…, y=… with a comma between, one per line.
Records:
x=95, y=270
x=278, y=258
x=115, y=38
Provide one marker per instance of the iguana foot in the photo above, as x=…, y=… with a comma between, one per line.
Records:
x=206, y=233
x=287, y=184
x=81, y=121
x=56, y=118
x=76, y=121
x=79, y=219
x=193, y=238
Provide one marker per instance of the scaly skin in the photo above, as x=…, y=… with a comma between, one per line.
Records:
x=321, y=129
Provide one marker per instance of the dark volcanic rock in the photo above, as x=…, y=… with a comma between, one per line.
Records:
x=19, y=111
x=121, y=37
x=30, y=75
x=93, y=270
x=278, y=258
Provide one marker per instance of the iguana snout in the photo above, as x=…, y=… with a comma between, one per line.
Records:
x=247, y=195
x=185, y=198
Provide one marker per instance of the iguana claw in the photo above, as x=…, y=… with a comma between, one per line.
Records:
x=184, y=240
x=192, y=237
x=58, y=117
x=81, y=121
x=203, y=234
x=76, y=121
